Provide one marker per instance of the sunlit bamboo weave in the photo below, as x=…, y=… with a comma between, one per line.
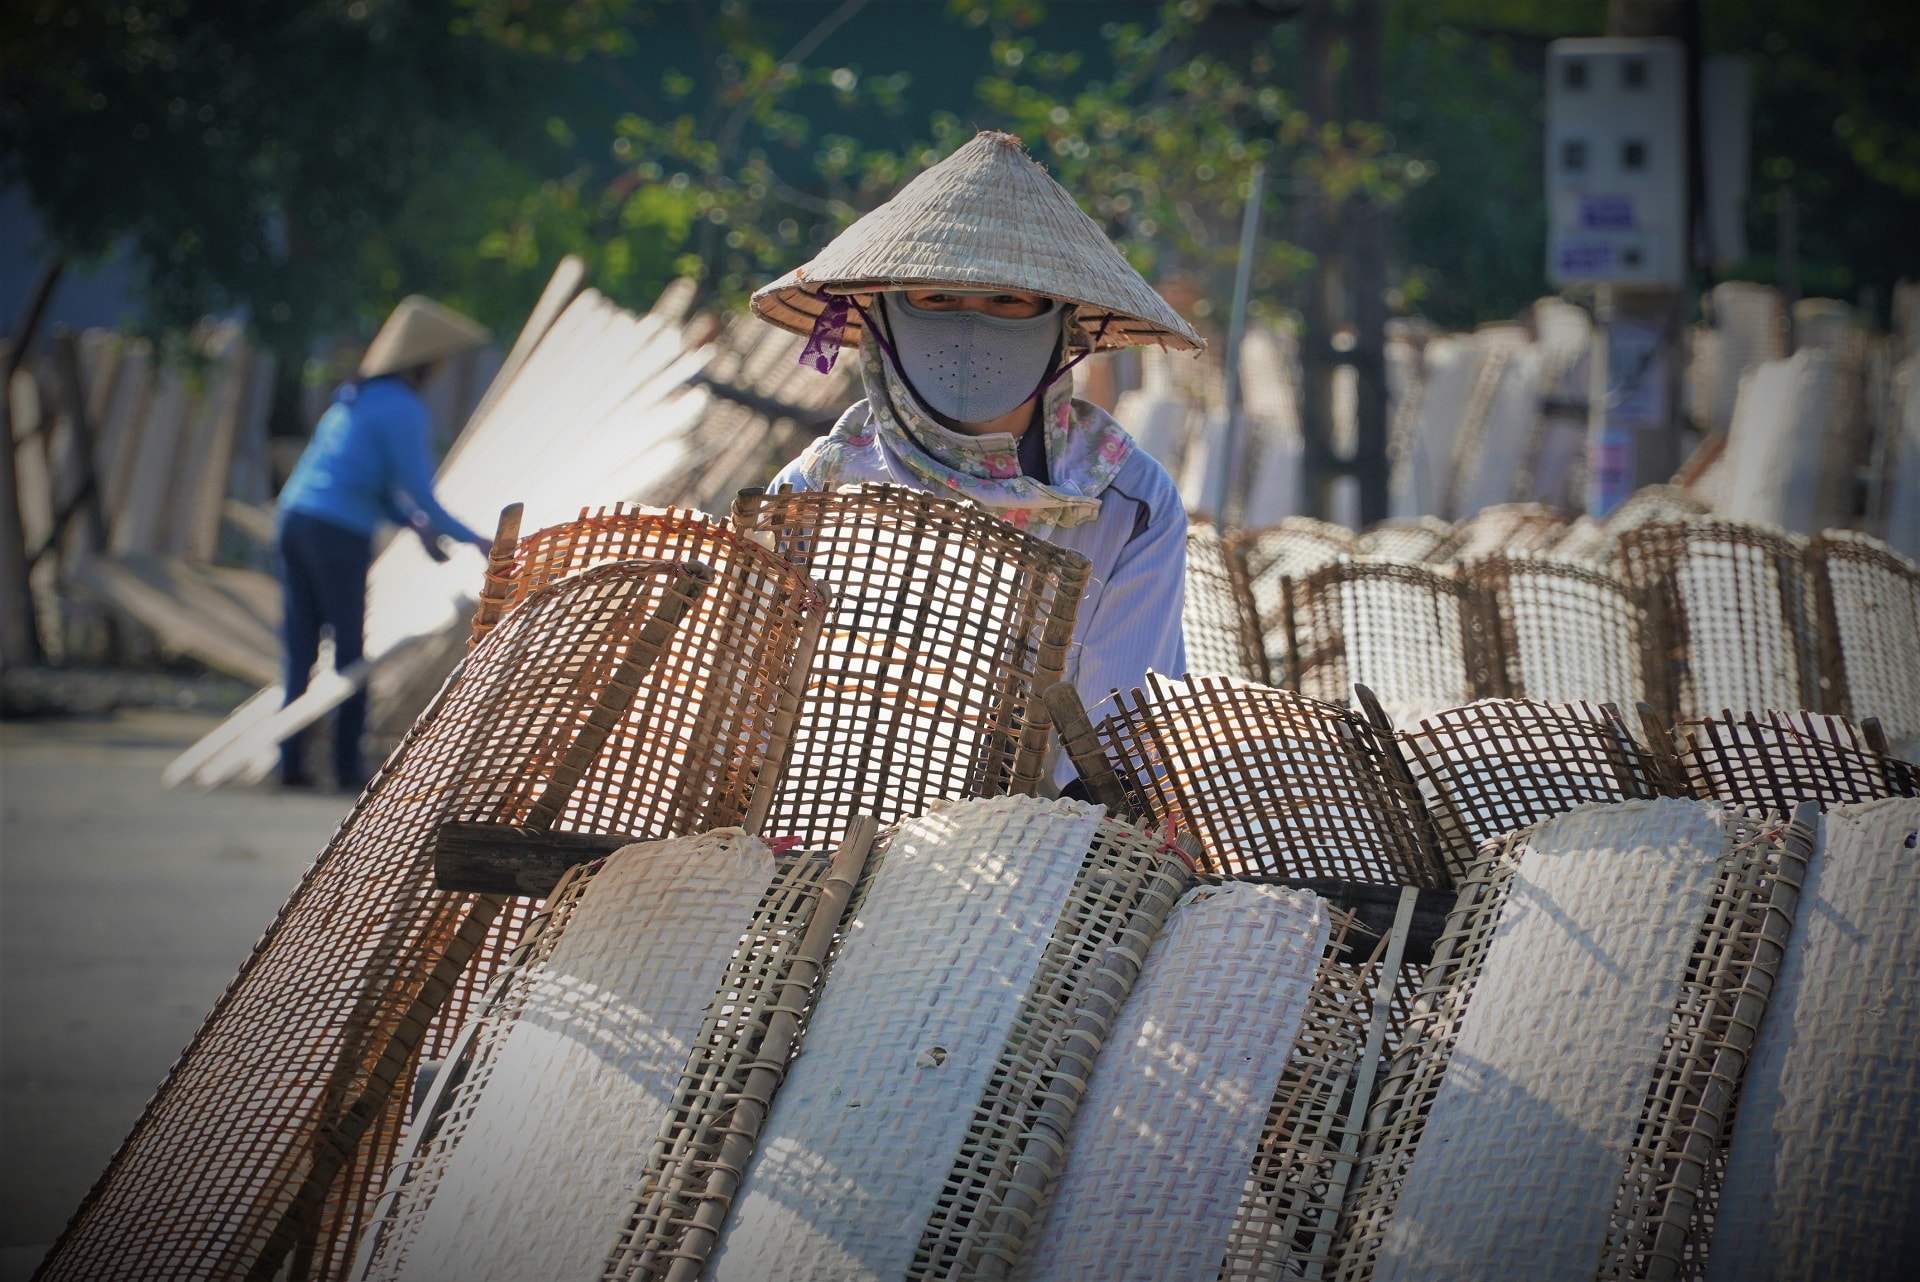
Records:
x=1667, y=1162
x=943, y=624
x=1273, y=783
x=584, y=709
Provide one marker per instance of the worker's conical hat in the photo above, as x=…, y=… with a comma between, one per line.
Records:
x=986, y=217
x=420, y=330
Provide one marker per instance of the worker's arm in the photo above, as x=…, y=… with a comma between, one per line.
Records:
x=410, y=458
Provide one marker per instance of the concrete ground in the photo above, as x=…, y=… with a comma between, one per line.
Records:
x=124, y=911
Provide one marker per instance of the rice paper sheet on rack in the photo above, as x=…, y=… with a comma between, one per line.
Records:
x=541, y=1182
x=1160, y=1154
x=905, y=1037
x=1526, y=1145
x=1823, y=1176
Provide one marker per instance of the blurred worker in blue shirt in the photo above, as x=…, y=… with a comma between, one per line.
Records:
x=370, y=459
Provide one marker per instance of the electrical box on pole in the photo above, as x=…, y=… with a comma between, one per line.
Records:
x=1616, y=163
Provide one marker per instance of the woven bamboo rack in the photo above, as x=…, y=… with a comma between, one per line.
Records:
x=1492, y=767
x=1273, y=783
x=1394, y=627
x=1663, y=1207
x=1409, y=540
x=1220, y=618
x=1274, y=556
x=584, y=707
x=1778, y=760
x=1502, y=528
x=944, y=624
x=1729, y=621
x=750, y=1032
x=1553, y=632
x=1016, y=1140
x=1867, y=598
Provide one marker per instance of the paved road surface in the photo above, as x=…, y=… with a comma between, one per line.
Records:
x=124, y=911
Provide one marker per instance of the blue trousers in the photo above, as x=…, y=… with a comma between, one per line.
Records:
x=323, y=582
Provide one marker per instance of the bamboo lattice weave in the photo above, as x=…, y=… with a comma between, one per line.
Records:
x=1555, y=632
x=1730, y=620
x=1398, y=629
x=585, y=1077
x=1599, y=1159
x=1502, y=528
x=1524, y=1146
x=1778, y=760
x=1291, y=1185
x=686, y=760
x=293, y=1040
x=1411, y=540
x=1396, y=1119
x=725, y=1053
x=1500, y=765
x=1823, y=1180
x=1011, y=1153
x=413, y=1180
x=1271, y=782
x=1219, y=619
x=1161, y=1154
x=1292, y=549
x=943, y=624
x=905, y=1038
x=1707, y=1031
x=1870, y=632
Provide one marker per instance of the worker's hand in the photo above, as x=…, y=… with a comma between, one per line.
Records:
x=431, y=542
x=482, y=542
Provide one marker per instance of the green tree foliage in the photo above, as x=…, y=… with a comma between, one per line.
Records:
x=291, y=158
x=1837, y=119
x=314, y=159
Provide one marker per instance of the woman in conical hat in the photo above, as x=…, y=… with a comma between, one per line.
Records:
x=971, y=294
x=370, y=460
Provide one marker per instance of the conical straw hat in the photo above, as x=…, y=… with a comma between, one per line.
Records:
x=420, y=330
x=986, y=217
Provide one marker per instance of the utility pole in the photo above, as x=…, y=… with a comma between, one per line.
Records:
x=1641, y=416
x=1346, y=293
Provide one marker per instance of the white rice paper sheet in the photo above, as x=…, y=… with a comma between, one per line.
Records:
x=1823, y=1178
x=540, y=1185
x=1158, y=1158
x=1525, y=1148
x=901, y=1046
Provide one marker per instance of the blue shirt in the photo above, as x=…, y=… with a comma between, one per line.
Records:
x=370, y=460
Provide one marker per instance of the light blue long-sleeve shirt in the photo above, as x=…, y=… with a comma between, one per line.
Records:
x=1130, y=613
x=370, y=460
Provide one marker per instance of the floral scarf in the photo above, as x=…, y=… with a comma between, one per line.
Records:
x=891, y=436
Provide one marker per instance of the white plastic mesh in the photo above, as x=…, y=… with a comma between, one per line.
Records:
x=1158, y=1159
x=1823, y=1179
x=932, y=975
x=1522, y=1154
x=541, y=1181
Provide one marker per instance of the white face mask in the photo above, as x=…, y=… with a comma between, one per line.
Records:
x=968, y=366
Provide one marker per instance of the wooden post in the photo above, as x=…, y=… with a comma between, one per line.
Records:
x=1083, y=749
x=495, y=589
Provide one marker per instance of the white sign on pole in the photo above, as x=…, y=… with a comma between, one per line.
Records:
x=1616, y=162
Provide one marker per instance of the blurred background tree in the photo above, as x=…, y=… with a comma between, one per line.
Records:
x=312, y=160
